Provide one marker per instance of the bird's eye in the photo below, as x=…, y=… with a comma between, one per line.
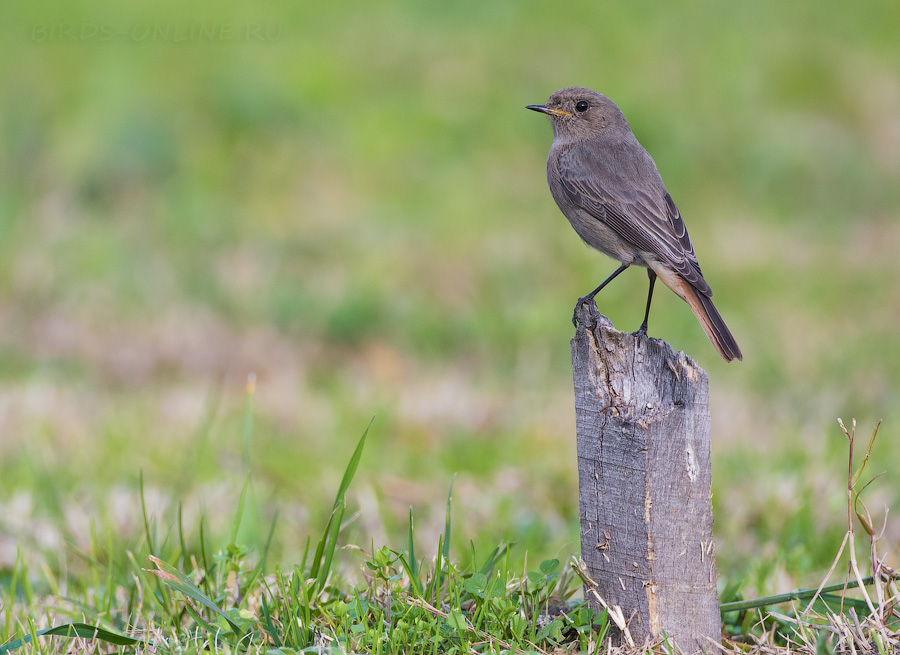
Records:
x=581, y=105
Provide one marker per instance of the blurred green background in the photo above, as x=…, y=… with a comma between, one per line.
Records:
x=349, y=202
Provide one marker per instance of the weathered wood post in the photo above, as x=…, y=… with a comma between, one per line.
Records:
x=642, y=418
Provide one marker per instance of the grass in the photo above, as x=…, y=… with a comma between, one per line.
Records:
x=353, y=209
x=232, y=599
x=228, y=599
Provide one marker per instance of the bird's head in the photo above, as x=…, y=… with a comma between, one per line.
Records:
x=577, y=112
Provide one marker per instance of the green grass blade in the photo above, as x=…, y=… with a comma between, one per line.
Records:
x=302, y=566
x=800, y=594
x=447, y=522
x=144, y=512
x=497, y=554
x=71, y=630
x=835, y=601
x=413, y=580
x=199, y=620
x=433, y=589
x=410, y=548
x=204, y=559
x=349, y=472
x=332, y=536
x=181, y=531
x=268, y=625
x=11, y=589
x=320, y=548
x=239, y=514
x=175, y=579
x=260, y=568
x=445, y=550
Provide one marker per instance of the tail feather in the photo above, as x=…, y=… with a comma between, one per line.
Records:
x=713, y=324
x=704, y=309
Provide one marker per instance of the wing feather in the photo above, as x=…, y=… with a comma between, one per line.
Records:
x=650, y=222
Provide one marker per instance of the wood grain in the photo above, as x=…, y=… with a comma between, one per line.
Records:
x=642, y=422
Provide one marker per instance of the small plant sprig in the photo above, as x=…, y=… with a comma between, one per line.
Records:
x=883, y=614
x=858, y=624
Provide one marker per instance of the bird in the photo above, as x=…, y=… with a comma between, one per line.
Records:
x=608, y=187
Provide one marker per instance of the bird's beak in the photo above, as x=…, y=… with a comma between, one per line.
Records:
x=544, y=109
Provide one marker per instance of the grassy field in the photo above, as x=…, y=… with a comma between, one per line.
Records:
x=348, y=203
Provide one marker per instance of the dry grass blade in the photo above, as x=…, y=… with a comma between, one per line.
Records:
x=615, y=612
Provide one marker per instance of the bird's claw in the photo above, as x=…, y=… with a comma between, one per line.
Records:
x=575, y=311
x=592, y=311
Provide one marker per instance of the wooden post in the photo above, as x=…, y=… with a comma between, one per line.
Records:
x=642, y=418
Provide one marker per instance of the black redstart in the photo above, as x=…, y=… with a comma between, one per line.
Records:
x=608, y=187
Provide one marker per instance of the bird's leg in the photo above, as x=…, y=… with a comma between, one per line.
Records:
x=590, y=297
x=642, y=331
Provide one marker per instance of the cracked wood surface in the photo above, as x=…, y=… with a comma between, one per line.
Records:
x=642, y=422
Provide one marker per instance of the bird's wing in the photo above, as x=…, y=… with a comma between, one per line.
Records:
x=649, y=223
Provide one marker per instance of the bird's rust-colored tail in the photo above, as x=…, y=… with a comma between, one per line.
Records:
x=713, y=324
x=705, y=311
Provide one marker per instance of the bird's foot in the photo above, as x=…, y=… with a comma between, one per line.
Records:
x=641, y=331
x=585, y=309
